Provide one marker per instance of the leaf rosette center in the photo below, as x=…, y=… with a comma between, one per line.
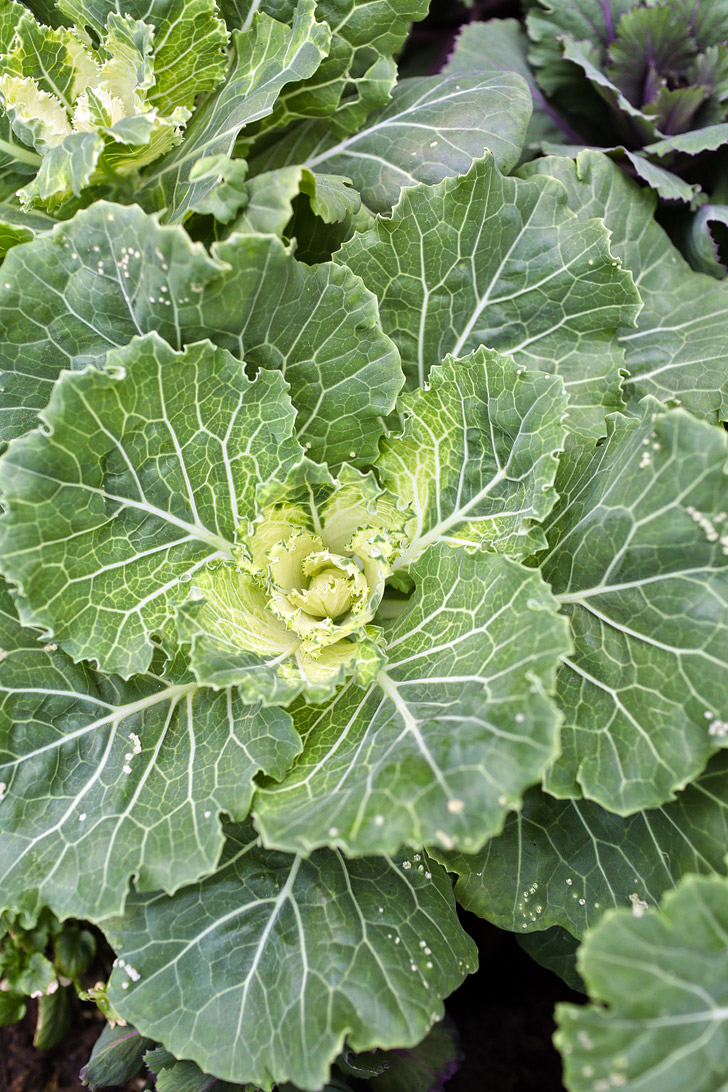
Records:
x=293, y=612
x=320, y=594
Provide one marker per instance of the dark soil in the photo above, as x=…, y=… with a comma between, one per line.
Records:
x=25, y=1069
x=503, y=1014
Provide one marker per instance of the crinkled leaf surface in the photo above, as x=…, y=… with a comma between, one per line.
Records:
x=112, y=273
x=50, y=57
x=638, y=556
x=66, y=169
x=269, y=197
x=432, y=128
x=264, y=59
x=141, y=477
x=585, y=56
x=189, y=39
x=661, y=981
x=10, y=13
x=358, y=72
x=17, y=161
x=104, y=779
x=477, y=460
x=270, y=201
x=262, y=972
x=124, y=101
x=678, y=349
x=564, y=862
x=586, y=21
x=449, y=735
x=491, y=260
x=655, y=36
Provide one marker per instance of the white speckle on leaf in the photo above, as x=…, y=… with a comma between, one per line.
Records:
x=638, y=905
x=455, y=806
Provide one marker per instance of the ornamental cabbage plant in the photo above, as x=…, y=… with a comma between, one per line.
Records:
x=365, y=551
x=644, y=80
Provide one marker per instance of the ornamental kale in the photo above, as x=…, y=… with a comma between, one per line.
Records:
x=646, y=81
x=340, y=589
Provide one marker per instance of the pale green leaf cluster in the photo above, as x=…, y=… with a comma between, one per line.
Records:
x=88, y=111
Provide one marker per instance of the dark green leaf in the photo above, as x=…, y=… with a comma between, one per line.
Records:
x=116, y=1057
x=360, y=951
